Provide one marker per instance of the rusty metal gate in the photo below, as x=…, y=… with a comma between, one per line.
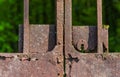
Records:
x=57, y=50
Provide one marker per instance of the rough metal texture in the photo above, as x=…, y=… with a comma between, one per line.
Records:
x=92, y=65
x=44, y=46
x=36, y=65
x=59, y=21
x=105, y=38
x=68, y=25
x=42, y=38
x=26, y=30
x=99, y=26
x=43, y=41
x=88, y=34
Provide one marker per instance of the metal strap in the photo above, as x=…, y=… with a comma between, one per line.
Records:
x=99, y=26
x=26, y=27
x=68, y=25
x=59, y=21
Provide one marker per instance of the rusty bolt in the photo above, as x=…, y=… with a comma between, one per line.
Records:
x=81, y=43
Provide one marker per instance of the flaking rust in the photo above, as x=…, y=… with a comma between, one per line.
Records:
x=21, y=57
x=98, y=62
x=93, y=65
x=4, y=57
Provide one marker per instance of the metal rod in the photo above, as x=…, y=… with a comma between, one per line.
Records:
x=99, y=26
x=59, y=21
x=26, y=27
x=68, y=25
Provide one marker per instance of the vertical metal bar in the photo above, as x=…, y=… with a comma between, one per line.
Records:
x=59, y=21
x=26, y=27
x=68, y=25
x=99, y=26
x=59, y=27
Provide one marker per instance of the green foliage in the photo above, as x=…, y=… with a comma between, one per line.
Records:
x=10, y=17
x=84, y=12
x=43, y=12
x=7, y=37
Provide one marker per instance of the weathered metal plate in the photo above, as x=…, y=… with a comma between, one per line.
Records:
x=42, y=38
x=92, y=65
x=43, y=43
x=40, y=65
x=88, y=34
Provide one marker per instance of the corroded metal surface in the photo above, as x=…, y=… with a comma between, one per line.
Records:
x=99, y=26
x=92, y=65
x=105, y=39
x=37, y=65
x=59, y=35
x=52, y=50
x=88, y=34
x=68, y=25
x=42, y=38
x=26, y=30
x=59, y=20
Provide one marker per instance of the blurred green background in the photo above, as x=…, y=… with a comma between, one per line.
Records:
x=43, y=12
